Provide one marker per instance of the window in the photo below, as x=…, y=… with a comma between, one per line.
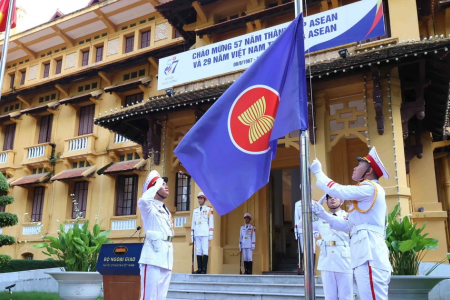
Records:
x=177, y=34
x=183, y=192
x=85, y=58
x=99, y=54
x=135, y=98
x=126, y=191
x=22, y=78
x=58, y=66
x=86, y=125
x=28, y=256
x=46, y=70
x=38, y=204
x=80, y=192
x=10, y=133
x=129, y=44
x=12, y=77
x=145, y=39
x=45, y=130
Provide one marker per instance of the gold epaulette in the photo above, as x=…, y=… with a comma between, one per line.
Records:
x=355, y=203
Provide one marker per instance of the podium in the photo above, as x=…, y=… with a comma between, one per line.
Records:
x=119, y=265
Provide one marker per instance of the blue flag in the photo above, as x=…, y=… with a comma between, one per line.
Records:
x=229, y=151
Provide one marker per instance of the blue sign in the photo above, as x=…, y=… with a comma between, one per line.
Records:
x=119, y=259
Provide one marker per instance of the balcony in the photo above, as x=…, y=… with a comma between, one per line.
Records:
x=123, y=224
x=120, y=139
x=7, y=159
x=31, y=230
x=79, y=146
x=69, y=226
x=37, y=154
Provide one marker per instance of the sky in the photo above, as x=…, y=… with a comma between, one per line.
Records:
x=40, y=11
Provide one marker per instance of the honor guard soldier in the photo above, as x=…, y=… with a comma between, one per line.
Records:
x=366, y=223
x=298, y=232
x=247, y=240
x=203, y=228
x=157, y=254
x=334, y=258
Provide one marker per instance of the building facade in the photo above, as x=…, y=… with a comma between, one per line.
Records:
x=81, y=114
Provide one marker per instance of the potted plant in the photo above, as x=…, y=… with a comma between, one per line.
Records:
x=407, y=247
x=78, y=248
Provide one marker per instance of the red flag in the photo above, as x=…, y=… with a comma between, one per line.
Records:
x=4, y=4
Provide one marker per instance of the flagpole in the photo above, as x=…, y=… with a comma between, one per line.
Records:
x=5, y=45
x=308, y=257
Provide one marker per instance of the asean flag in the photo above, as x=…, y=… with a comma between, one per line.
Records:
x=229, y=151
x=4, y=5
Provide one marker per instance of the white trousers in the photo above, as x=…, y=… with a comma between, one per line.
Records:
x=372, y=283
x=337, y=285
x=154, y=282
x=202, y=245
x=247, y=254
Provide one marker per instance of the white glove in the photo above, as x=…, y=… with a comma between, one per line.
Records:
x=316, y=166
x=253, y=249
x=316, y=234
x=318, y=210
x=210, y=237
x=192, y=238
x=322, y=199
x=296, y=237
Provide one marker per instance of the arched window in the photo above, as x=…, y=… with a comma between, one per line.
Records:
x=28, y=256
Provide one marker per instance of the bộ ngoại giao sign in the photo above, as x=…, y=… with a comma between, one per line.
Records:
x=343, y=25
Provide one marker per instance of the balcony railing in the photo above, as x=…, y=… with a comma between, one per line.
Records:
x=37, y=151
x=79, y=145
x=3, y=157
x=30, y=230
x=68, y=226
x=120, y=139
x=123, y=224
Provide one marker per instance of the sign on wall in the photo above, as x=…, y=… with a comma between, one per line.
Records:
x=350, y=23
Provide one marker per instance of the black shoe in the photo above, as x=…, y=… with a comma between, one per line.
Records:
x=205, y=264
x=199, y=265
x=250, y=267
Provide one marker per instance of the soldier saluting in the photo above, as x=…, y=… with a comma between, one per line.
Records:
x=366, y=223
x=202, y=227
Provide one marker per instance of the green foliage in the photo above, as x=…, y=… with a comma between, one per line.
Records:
x=6, y=200
x=17, y=265
x=78, y=247
x=438, y=264
x=4, y=260
x=407, y=245
x=4, y=186
x=6, y=240
x=7, y=219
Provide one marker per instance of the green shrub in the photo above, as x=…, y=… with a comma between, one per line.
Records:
x=17, y=265
x=7, y=219
x=6, y=240
x=6, y=200
x=4, y=186
x=406, y=243
x=4, y=260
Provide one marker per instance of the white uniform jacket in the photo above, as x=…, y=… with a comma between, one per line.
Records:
x=247, y=239
x=334, y=247
x=367, y=229
x=298, y=228
x=158, y=225
x=203, y=221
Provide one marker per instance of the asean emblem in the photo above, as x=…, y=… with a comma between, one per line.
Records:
x=252, y=117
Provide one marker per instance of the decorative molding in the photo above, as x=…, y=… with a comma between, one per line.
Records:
x=161, y=31
x=378, y=99
x=153, y=140
x=70, y=60
x=113, y=47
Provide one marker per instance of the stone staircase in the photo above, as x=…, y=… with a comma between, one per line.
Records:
x=230, y=287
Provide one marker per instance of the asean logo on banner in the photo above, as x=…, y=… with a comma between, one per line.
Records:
x=171, y=65
x=251, y=119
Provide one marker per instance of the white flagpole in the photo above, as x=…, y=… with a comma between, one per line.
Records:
x=308, y=241
x=5, y=44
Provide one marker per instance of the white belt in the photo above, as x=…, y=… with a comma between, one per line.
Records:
x=368, y=227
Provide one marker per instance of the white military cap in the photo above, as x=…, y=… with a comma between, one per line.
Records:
x=201, y=195
x=247, y=215
x=375, y=162
x=154, y=180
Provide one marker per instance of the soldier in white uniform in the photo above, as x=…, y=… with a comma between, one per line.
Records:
x=157, y=254
x=334, y=258
x=298, y=232
x=247, y=242
x=202, y=229
x=366, y=223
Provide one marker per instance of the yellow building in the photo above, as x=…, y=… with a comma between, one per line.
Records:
x=101, y=62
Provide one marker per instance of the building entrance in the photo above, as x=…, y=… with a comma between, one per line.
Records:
x=284, y=192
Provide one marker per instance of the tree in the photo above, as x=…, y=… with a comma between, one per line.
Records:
x=6, y=219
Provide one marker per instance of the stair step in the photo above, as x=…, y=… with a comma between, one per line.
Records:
x=211, y=295
x=248, y=279
x=242, y=287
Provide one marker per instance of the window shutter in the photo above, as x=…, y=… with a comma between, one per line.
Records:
x=10, y=132
x=86, y=125
x=38, y=204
